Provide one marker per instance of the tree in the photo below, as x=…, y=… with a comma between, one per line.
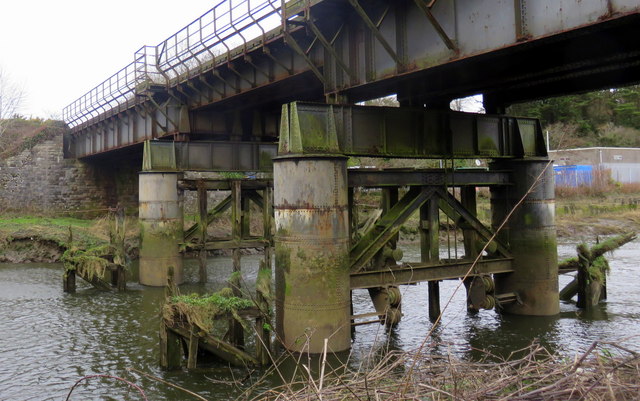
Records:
x=11, y=97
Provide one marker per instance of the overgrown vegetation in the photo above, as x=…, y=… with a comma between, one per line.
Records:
x=21, y=134
x=201, y=311
x=605, y=371
x=23, y=238
x=601, y=118
x=88, y=263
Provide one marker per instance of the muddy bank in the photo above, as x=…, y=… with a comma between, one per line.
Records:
x=30, y=249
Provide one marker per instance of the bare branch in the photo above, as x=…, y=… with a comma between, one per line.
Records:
x=11, y=98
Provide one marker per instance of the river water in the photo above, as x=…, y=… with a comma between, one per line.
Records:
x=49, y=339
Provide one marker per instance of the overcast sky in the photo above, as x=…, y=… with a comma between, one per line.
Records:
x=60, y=49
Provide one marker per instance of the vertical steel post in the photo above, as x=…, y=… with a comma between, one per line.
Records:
x=430, y=250
x=312, y=252
x=531, y=235
x=161, y=228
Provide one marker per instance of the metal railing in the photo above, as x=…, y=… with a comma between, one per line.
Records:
x=208, y=41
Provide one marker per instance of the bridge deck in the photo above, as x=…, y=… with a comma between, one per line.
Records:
x=250, y=55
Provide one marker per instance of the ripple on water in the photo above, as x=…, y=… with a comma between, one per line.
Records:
x=51, y=339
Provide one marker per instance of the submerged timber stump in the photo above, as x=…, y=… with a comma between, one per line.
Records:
x=591, y=282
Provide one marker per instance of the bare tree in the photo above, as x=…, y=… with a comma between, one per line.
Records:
x=11, y=98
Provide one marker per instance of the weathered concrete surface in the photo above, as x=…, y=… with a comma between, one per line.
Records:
x=312, y=253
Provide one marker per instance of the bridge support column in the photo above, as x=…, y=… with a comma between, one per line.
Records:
x=312, y=252
x=161, y=228
x=531, y=235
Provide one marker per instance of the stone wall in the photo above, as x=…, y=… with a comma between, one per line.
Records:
x=40, y=180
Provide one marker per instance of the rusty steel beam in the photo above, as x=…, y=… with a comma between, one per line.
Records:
x=232, y=156
x=420, y=272
x=408, y=132
x=373, y=178
x=511, y=51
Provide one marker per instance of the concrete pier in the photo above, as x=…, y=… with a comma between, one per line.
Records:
x=312, y=252
x=161, y=228
x=531, y=235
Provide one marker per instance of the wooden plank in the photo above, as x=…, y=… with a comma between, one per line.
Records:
x=220, y=348
x=192, y=357
x=170, y=352
x=233, y=244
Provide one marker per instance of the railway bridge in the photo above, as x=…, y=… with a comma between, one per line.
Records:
x=263, y=98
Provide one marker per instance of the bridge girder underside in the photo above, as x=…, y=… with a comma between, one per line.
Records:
x=345, y=51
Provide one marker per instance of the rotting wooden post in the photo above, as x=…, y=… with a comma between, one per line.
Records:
x=353, y=231
x=117, y=234
x=170, y=348
x=245, y=217
x=203, y=223
x=469, y=201
x=583, y=275
x=430, y=250
x=235, y=328
x=69, y=281
x=389, y=199
x=263, y=323
x=121, y=285
x=236, y=210
x=192, y=356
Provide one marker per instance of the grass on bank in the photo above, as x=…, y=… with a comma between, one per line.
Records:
x=60, y=231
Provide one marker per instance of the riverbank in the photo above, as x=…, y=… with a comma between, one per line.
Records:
x=579, y=217
x=44, y=239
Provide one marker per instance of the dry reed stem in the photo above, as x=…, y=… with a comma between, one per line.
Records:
x=596, y=374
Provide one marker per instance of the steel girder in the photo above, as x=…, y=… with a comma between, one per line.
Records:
x=427, y=52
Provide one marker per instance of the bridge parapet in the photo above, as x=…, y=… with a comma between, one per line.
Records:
x=207, y=41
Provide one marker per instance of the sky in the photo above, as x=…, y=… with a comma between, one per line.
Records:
x=57, y=50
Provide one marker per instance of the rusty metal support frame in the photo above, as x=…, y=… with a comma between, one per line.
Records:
x=296, y=47
x=376, y=32
x=329, y=46
x=421, y=272
x=233, y=158
x=387, y=227
x=408, y=132
x=456, y=211
x=426, y=8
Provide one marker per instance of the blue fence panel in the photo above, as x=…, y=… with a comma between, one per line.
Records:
x=573, y=176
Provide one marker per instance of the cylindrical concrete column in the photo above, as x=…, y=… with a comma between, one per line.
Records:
x=312, y=252
x=161, y=228
x=531, y=236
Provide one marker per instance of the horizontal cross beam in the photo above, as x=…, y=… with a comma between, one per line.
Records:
x=406, y=132
x=420, y=272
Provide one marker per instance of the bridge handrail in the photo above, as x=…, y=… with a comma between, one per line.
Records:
x=203, y=44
